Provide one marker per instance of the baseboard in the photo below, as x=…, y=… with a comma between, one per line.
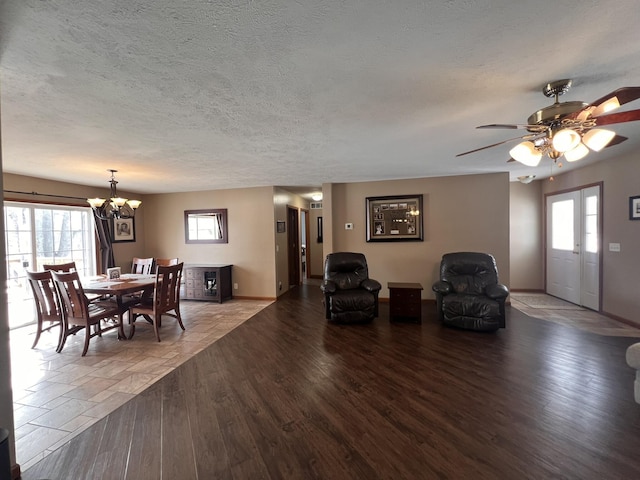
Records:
x=264, y=299
x=316, y=276
x=526, y=290
x=15, y=472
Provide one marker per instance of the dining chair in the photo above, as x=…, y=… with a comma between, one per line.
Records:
x=79, y=313
x=142, y=265
x=61, y=267
x=165, y=299
x=47, y=306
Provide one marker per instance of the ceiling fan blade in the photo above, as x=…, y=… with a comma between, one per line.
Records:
x=616, y=140
x=624, y=95
x=489, y=146
x=618, y=117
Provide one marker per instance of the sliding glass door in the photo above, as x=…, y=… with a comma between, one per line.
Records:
x=36, y=235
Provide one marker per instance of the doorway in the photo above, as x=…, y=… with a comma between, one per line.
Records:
x=293, y=246
x=573, y=258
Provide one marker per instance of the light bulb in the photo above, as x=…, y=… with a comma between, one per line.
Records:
x=526, y=153
x=565, y=140
x=577, y=153
x=598, y=138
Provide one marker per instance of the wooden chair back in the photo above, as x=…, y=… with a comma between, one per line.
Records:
x=142, y=265
x=46, y=299
x=166, y=262
x=61, y=267
x=166, y=295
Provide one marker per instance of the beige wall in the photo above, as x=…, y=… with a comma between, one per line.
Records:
x=251, y=227
x=526, y=241
x=463, y=213
x=621, y=180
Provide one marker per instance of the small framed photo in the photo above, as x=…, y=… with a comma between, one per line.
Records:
x=113, y=273
x=634, y=208
x=281, y=226
x=123, y=230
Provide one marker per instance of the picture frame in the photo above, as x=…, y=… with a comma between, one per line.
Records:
x=634, y=208
x=114, y=273
x=395, y=218
x=123, y=230
x=281, y=226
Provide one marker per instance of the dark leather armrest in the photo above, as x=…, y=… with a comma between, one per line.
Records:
x=371, y=285
x=328, y=287
x=443, y=288
x=497, y=291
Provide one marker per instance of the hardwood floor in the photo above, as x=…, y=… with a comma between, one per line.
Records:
x=287, y=395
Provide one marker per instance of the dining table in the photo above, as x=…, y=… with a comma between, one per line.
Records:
x=119, y=288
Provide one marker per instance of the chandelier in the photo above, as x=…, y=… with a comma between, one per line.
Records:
x=115, y=207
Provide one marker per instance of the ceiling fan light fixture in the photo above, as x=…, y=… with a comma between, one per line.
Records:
x=576, y=153
x=598, y=138
x=605, y=107
x=526, y=153
x=565, y=140
x=526, y=179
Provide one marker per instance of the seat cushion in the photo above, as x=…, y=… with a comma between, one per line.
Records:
x=465, y=305
x=352, y=305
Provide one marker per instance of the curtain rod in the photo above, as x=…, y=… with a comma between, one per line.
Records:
x=45, y=195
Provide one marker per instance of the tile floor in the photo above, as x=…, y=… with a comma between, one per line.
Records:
x=555, y=310
x=58, y=395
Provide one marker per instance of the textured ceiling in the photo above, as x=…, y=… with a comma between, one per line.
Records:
x=183, y=95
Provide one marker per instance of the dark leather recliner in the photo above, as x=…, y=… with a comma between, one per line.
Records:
x=350, y=296
x=468, y=294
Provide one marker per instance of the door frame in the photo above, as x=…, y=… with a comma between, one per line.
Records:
x=600, y=186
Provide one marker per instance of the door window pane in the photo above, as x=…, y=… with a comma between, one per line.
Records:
x=591, y=224
x=562, y=225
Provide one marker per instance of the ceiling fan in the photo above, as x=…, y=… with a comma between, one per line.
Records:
x=569, y=129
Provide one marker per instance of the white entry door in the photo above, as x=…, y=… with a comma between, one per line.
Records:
x=573, y=257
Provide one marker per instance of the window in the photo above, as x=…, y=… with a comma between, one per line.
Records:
x=205, y=226
x=36, y=235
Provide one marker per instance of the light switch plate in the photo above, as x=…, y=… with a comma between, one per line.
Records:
x=614, y=247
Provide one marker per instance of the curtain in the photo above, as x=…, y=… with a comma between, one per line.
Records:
x=106, y=248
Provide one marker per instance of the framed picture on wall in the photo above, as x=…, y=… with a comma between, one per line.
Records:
x=123, y=230
x=394, y=218
x=634, y=208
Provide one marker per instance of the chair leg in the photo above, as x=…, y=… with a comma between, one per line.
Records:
x=87, y=336
x=132, y=325
x=179, y=317
x=38, y=332
x=155, y=326
x=63, y=337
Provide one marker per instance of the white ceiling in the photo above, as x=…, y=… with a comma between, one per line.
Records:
x=184, y=95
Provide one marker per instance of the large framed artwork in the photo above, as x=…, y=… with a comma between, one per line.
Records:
x=634, y=208
x=394, y=218
x=123, y=230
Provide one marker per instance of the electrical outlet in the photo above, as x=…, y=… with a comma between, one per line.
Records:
x=279, y=285
x=235, y=286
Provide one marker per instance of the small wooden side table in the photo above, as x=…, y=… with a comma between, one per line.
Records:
x=405, y=302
